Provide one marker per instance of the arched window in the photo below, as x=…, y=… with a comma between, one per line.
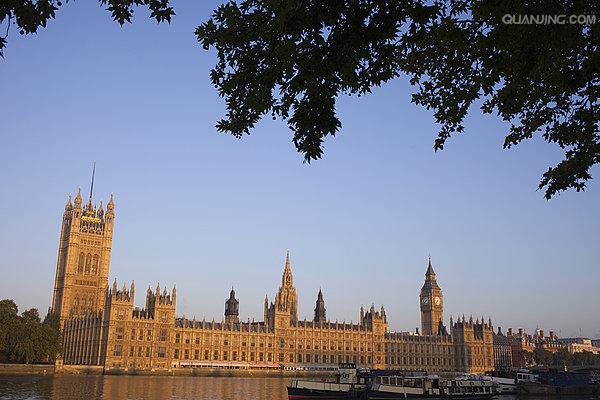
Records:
x=80, y=263
x=95, y=264
x=88, y=263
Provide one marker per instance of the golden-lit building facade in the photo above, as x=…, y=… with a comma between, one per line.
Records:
x=83, y=258
x=115, y=334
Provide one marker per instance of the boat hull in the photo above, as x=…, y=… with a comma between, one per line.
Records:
x=315, y=394
x=374, y=395
x=575, y=390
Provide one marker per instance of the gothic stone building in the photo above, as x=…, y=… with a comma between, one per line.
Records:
x=102, y=326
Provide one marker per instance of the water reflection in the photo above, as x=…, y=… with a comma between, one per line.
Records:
x=141, y=387
x=89, y=387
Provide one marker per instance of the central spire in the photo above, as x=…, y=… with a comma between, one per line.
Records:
x=92, y=184
x=287, y=278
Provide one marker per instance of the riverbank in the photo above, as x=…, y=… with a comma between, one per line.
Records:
x=51, y=369
x=26, y=369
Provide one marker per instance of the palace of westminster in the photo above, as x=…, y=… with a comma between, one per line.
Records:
x=101, y=326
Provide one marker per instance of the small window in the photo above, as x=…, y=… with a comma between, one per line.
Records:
x=80, y=263
x=88, y=263
x=95, y=264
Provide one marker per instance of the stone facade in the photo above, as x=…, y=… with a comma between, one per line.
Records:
x=83, y=258
x=108, y=330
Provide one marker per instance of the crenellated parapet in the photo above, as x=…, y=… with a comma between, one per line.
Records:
x=477, y=330
x=123, y=295
x=89, y=218
x=157, y=298
x=372, y=317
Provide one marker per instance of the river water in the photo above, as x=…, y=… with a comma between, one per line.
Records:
x=96, y=387
x=89, y=387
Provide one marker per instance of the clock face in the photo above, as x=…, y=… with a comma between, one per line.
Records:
x=437, y=301
x=425, y=301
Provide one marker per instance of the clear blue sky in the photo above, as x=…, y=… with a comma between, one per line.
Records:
x=206, y=211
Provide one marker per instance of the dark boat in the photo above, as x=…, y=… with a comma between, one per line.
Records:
x=561, y=383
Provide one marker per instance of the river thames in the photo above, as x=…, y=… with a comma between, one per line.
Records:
x=93, y=387
x=90, y=387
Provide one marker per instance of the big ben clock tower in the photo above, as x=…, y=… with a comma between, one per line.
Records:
x=432, y=303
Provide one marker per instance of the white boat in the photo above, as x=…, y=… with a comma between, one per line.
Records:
x=347, y=385
x=508, y=381
x=431, y=387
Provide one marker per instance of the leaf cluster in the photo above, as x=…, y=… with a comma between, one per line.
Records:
x=29, y=15
x=293, y=58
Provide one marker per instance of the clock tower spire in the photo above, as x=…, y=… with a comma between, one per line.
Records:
x=432, y=303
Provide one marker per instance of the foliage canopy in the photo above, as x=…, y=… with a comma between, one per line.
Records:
x=25, y=338
x=291, y=59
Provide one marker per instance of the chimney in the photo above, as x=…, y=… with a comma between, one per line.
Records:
x=509, y=332
x=541, y=333
x=520, y=331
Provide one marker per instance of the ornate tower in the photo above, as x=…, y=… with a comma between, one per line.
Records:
x=432, y=303
x=81, y=280
x=286, y=299
x=320, y=309
x=232, y=309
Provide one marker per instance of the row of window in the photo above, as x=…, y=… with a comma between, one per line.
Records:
x=141, y=352
x=442, y=361
x=141, y=334
x=417, y=348
x=187, y=354
x=281, y=343
x=281, y=357
x=340, y=338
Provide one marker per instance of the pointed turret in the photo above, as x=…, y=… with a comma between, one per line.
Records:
x=100, y=212
x=78, y=199
x=110, y=207
x=430, y=274
x=132, y=289
x=69, y=205
x=232, y=310
x=320, y=316
x=287, y=278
